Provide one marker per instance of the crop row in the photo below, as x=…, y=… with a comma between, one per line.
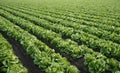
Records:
x=62, y=20
x=9, y=62
x=104, y=19
x=100, y=62
x=86, y=16
x=91, y=30
x=106, y=47
x=91, y=13
x=43, y=56
x=99, y=20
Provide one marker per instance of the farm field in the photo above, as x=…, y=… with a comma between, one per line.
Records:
x=59, y=36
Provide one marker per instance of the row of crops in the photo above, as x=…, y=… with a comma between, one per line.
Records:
x=58, y=40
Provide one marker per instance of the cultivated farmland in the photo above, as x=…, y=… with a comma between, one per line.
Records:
x=59, y=36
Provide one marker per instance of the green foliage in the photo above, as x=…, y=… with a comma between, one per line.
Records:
x=9, y=62
x=39, y=52
x=90, y=23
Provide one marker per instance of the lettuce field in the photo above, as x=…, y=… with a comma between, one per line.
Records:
x=59, y=36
